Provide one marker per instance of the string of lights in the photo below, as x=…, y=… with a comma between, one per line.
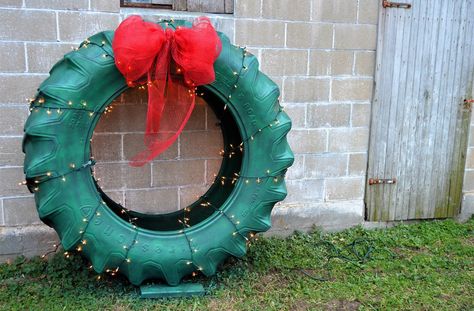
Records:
x=39, y=104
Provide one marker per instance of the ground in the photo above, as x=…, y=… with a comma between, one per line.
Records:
x=424, y=266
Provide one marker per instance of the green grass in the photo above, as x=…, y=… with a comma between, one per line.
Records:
x=424, y=266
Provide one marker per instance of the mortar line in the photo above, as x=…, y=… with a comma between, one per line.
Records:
x=26, y=57
x=3, y=212
x=57, y=27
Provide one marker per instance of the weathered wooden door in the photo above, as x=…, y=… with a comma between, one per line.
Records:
x=420, y=124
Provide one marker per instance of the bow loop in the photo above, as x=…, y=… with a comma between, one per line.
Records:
x=144, y=53
x=134, y=56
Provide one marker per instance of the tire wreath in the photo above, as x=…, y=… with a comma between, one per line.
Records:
x=58, y=168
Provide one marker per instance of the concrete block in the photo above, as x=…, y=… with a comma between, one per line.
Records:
x=344, y=188
x=334, y=63
x=197, y=121
x=107, y=147
x=284, y=62
x=341, y=62
x=357, y=164
x=201, y=144
x=260, y=33
x=11, y=4
x=352, y=89
x=297, y=114
x=12, y=120
x=10, y=177
x=355, y=37
x=468, y=184
x=105, y=6
x=307, y=141
x=178, y=173
x=78, y=26
x=58, y=4
x=369, y=11
x=28, y=241
x=28, y=25
x=20, y=211
x=117, y=176
x=152, y=201
x=188, y=195
x=360, y=115
x=212, y=169
x=304, y=35
x=248, y=8
x=304, y=190
x=117, y=196
x=329, y=115
x=348, y=140
x=10, y=91
x=134, y=143
x=335, y=11
x=365, y=63
x=42, y=56
x=2, y=222
x=12, y=55
x=10, y=151
x=293, y=10
x=226, y=26
x=303, y=90
x=297, y=170
x=470, y=158
x=327, y=216
x=471, y=136
x=326, y=165
x=124, y=118
x=467, y=207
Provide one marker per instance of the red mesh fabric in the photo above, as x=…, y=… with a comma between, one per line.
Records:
x=172, y=64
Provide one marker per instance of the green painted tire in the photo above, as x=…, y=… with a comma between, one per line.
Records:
x=58, y=169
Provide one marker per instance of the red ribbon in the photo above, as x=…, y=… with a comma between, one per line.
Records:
x=171, y=64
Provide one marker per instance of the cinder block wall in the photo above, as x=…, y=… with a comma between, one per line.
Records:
x=467, y=206
x=320, y=52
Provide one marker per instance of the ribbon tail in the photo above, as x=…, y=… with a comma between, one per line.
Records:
x=170, y=105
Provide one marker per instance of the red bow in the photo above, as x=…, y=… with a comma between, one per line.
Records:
x=144, y=53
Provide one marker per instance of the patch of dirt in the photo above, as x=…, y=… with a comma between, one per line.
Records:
x=301, y=305
x=342, y=305
x=271, y=280
x=468, y=241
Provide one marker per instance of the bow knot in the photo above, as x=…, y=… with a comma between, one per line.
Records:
x=168, y=62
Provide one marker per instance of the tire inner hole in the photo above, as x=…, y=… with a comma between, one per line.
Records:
x=191, y=180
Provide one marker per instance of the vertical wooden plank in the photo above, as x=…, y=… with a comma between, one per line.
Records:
x=462, y=122
x=428, y=124
x=377, y=143
x=402, y=107
x=452, y=109
x=396, y=84
x=180, y=5
x=163, y=2
x=445, y=112
x=415, y=111
x=207, y=6
x=229, y=6
x=417, y=156
x=408, y=104
x=436, y=184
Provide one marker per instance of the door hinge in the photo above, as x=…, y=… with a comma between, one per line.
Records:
x=379, y=181
x=467, y=104
x=390, y=4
